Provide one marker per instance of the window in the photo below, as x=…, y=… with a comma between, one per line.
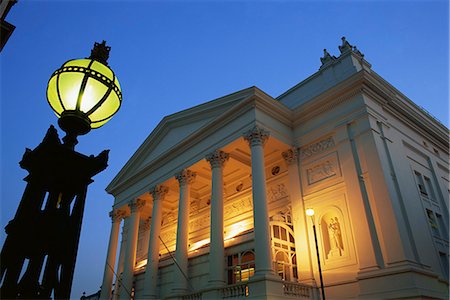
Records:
x=241, y=266
x=432, y=222
x=283, y=251
x=429, y=188
x=420, y=184
x=442, y=227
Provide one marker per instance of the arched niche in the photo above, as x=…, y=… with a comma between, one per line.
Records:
x=332, y=229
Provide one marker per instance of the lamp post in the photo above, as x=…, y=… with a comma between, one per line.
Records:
x=310, y=213
x=45, y=231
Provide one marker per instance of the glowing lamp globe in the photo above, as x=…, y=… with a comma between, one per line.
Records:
x=310, y=212
x=84, y=93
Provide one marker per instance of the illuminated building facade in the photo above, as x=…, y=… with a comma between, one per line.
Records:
x=212, y=205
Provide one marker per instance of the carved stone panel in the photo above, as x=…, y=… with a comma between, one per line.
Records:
x=322, y=171
x=238, y=207
x=316, y=148
x=277, y=192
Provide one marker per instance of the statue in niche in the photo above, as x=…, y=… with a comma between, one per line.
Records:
x=335, y=234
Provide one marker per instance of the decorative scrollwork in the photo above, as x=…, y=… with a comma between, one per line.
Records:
x=290, y=156
x=256, y=136
x=117, y=215
x=185, y=176
x=159, y=192
x=136, y=205
x=217, y=158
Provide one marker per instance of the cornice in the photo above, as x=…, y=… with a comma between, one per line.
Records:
x=329, y=99
x=389, y=98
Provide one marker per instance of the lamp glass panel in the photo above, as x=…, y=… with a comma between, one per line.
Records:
x=52, y=96
x=69, y=88
x=101, y=123
x=93, y=93
x=107, y=109
x=101, y=68
x=77, y=63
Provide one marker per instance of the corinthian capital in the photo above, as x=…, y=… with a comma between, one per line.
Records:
x=185, y=176
x=117, y=215
x=256, y=136
x=290, y=156
x=217, y=159
x=136, y=205
x=159, y=192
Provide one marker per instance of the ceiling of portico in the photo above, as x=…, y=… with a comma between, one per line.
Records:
x=237, y=172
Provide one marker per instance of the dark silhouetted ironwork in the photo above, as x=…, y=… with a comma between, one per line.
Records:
x=46, y=228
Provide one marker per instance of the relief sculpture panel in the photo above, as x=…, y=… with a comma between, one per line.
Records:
x=321, y=172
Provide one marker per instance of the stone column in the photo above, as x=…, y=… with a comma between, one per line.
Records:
x=118, y=281
x=217, y=160
x=130, y=250
x=302, y=248
x=146, y=225
x=185, y=178
x=151, y=272
x=256, y=138
x=108, y=275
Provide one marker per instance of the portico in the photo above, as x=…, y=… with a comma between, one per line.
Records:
x=208, y=207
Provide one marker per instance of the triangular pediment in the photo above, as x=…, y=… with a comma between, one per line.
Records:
x=175, y=128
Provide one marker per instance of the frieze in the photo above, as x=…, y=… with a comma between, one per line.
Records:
x=277, y=192
x=238, y=207
x=199, y=223
x=316, y=148
x=168, y=218
x=325, y=168
x=168, y=236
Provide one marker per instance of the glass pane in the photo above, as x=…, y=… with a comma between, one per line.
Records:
x=276, y=232
x=283, y=234
x=52, y=96
x=69, y=88
x=248, y=256
x=93, y=93
x=101, y=68
x=107, y=109
x=77, y=63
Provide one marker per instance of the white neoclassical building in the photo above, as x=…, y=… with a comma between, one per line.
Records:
x=212, y=205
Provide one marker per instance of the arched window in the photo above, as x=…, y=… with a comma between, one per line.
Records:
x=283, y=251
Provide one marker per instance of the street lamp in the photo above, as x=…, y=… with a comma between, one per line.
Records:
x=45, y=231
x=84, y=93
x=310, y=213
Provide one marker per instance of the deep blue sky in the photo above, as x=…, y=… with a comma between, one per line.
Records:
x=171, y=55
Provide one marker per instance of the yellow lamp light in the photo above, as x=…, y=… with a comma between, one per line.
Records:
x=310, y=212
x=85, y=93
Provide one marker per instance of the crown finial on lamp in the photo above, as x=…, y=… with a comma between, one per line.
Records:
x=100, y=52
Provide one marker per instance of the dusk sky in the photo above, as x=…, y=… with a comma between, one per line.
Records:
x=172, y=55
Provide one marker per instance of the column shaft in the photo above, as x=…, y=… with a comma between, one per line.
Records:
x=263, y=246
x=216, y=252
x=119, y=275
x=130, y=250
x=151, y=272
x=185, y=177
x=108, y=274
